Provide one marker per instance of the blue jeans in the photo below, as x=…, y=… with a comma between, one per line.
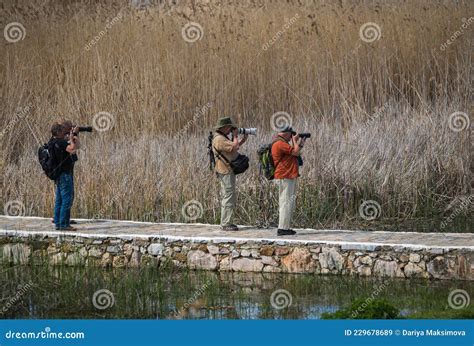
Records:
x=64, y=198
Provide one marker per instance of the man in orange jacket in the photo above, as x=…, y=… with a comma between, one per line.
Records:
x=285, y=152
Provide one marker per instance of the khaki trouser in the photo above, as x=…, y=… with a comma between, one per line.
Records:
x=228, y=198
x=287, y=196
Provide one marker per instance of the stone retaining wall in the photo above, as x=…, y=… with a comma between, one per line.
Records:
x=240, y=256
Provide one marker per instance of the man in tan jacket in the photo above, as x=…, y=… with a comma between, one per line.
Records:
x=226, y=150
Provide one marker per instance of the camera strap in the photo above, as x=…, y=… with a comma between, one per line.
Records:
x=219, y=155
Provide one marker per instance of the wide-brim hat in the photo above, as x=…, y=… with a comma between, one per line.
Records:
x=222, y=122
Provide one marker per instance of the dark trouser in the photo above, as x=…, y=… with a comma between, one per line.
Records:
x=64, y=198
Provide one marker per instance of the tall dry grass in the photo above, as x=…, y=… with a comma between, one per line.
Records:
x=378, y=111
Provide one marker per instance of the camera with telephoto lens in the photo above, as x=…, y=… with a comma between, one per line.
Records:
x=83, y=129
x=250, y=131
x=304, y=135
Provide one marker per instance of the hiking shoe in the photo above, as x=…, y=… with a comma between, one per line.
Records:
x=230, y=227
x=68, y=228
x=285, y=232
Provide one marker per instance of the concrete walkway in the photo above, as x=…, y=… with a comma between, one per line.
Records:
x=203, y=232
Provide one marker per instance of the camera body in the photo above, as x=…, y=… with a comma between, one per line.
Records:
x=247, y=131
x=80, y=129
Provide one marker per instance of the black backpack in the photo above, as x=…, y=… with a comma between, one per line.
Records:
x=48, y=161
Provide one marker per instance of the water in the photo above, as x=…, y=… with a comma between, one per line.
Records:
x=149, y=293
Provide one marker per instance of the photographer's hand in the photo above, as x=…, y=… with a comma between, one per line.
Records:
x=244, y=139
x=235, y=137
x=72, y=147
x=296, y=147
x=294, y=139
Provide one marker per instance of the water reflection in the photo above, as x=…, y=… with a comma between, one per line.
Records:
x=66, y=292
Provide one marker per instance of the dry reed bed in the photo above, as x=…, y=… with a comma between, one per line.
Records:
x=378, y=111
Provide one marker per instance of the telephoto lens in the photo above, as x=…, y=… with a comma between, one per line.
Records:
x=250, y=131
x=304, y=135
x=85, y=128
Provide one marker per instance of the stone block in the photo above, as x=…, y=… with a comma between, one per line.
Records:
x=198, y=259
x=156, y=249
x=298, y=261
x=247, y=265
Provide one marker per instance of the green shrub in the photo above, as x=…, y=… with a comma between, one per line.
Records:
x=365, y=309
